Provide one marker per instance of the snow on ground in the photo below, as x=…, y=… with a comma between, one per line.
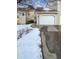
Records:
x=20, y=27
x=28, y=45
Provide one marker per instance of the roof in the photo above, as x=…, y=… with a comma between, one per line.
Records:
x=37, y=3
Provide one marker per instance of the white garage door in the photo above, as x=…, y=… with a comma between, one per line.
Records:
x=46, y=20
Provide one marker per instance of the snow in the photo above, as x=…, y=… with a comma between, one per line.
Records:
x=39, y=3
x=23, y=29
x=20, y=27
x=28, y=45
x=34, y=3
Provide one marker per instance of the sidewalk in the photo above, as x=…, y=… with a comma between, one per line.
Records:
x=47, y=54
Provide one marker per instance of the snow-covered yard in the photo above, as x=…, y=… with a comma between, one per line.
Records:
x=28, y=45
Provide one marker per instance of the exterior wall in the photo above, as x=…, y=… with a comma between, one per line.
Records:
x=59, y=6
x=57, y=19
x=21, y=17
x=28, y=16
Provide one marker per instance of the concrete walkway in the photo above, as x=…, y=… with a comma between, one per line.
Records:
x=47, y=54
